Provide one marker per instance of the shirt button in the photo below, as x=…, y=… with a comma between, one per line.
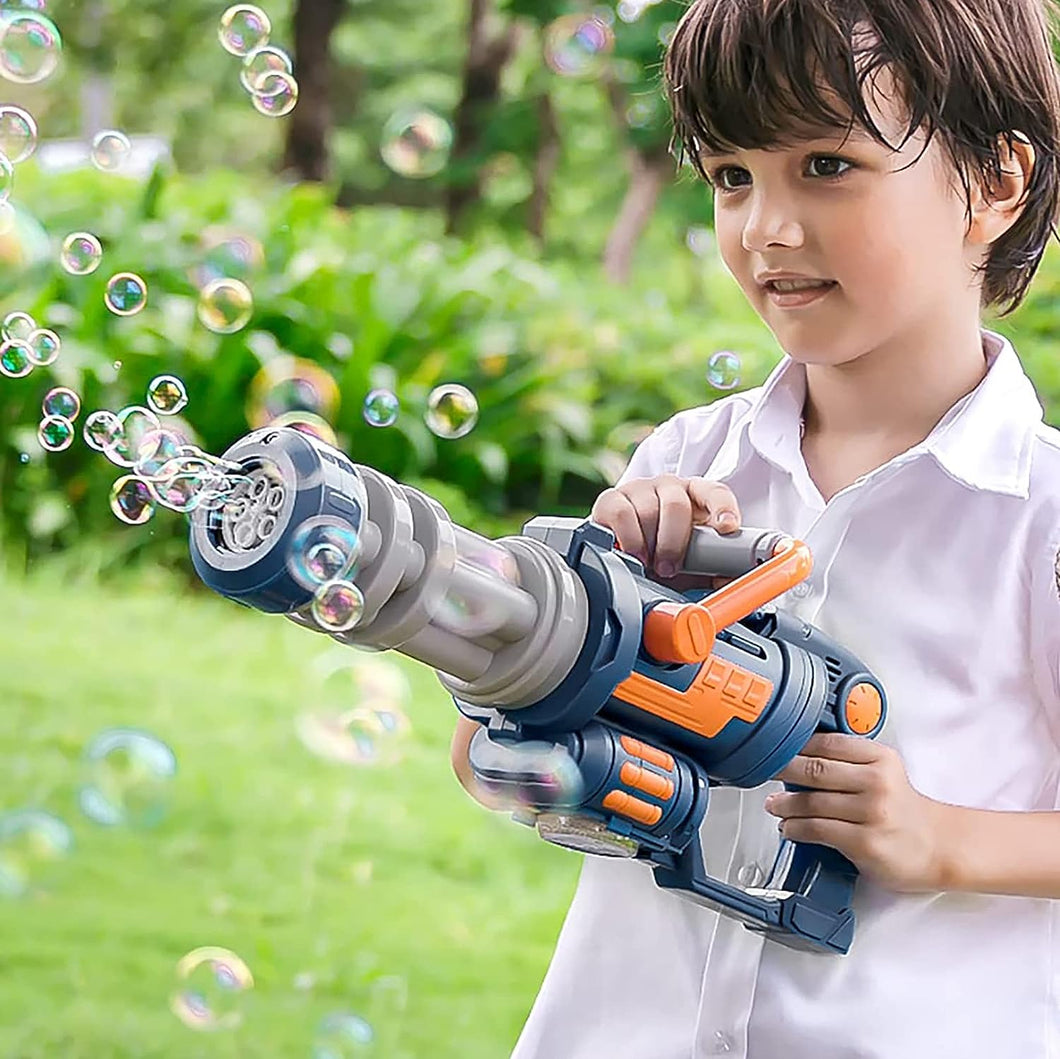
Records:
x=749, y=875
x=720, y=1044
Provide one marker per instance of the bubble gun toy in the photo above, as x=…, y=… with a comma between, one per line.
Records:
x=555, y=637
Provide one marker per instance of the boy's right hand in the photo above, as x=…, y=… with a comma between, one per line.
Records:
x=652, y=518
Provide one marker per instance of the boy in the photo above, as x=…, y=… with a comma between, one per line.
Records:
x=906, y=446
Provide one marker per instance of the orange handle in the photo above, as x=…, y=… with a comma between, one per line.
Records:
x=685, y=632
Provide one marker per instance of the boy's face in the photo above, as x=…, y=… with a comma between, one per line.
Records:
x=893, y=238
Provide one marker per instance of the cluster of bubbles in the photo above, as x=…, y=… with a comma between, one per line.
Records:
x=228, y=260
x=25, y=346
x=267, y=70
x=451, y=412
x=359, y=714
x=126, y=780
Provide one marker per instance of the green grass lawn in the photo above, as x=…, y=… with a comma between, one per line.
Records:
x=320, y=876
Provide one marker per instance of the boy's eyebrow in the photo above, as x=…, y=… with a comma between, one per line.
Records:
x=819, y=133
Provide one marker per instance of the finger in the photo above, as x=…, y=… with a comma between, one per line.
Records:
x=828, y=805
x=823, y=774
x=710, y=502
x=630, y=514
x=675, y=523
x=839, y=746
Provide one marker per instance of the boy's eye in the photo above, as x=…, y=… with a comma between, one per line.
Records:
x=827, y=171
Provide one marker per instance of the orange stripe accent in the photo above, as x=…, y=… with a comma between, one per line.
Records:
x=626, y=805
x=653, y=755
x=648, y=782
x=719, y=692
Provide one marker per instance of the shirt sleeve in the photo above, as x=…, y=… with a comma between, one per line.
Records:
x=656, y=454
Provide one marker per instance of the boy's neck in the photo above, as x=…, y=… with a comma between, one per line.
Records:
x=893, y=393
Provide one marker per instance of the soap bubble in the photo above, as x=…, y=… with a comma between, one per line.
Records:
x=101, y=430
x=131, y=500
x=723, y=370
x=18, y=326
x=342, y=1036
x=227, y=254
x=577, y=44
x=31, y=844
x=126, y=294
x=337, y=605
x=61, y=401
x=291, y=384
x=44, y=346
x=134, y=423
x=127, y=778
x=700, y=240
x=307, y=423
x=157, y=449
x=262, y=61
x=55, y=433
x=243, y=28
x=416, y=143
x=30, y=48
x=166, y=394
x=276, y=95
x=351, y=737
x=81, y=253
x=452, y=411
x=322, y=549
x=381, y=408
x=16, y=360
x=529, y=773
x=182, y=491
x=18, y=133
x=225, y=305
x=212, y=984
x=110, y=150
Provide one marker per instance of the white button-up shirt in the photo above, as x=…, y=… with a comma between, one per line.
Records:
x=939, y=571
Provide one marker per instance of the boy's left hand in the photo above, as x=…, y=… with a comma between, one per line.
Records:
x=866, y=808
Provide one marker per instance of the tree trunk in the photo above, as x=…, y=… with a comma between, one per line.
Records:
x=548, y=150
x=488, y=53
x=648, y=174
x=309, y=124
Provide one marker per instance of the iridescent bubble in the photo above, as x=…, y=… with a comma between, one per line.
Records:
x=7, y=178
x=30, y=48
x=157, y=449
x=381, y=408
x=262, y=61
x=243, y=28
x=127, y=778
x=126, y=294
x=225, y=306
x=227, y=254
x=212, y=985
x=81, y=253
x=351, y=737
x=416, y=143
x=101, y=430
x=15, y=359
x=134, y=423
x=452, y=411
x=55, y=433
x=276, y=95
x=181, y=492
x=44, y=346
x=530, y=774
x=342, y=1036
x=18, y=133
x=131, y=500
x=61, y=401
x=166, y=394
x=110, y=150
x=577, y=44
x=723, y=370
x=337, y=605
x=307, y=423
x=291, y=384
x=322, y=549
x=32, y=843
x=18, y=326
x=700, y=240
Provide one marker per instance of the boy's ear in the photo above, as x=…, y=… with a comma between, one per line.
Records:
x=997, y=208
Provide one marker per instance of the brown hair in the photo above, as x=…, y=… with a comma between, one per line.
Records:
x=748, y=74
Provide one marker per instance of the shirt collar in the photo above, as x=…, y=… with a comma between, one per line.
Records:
x=983, y=441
